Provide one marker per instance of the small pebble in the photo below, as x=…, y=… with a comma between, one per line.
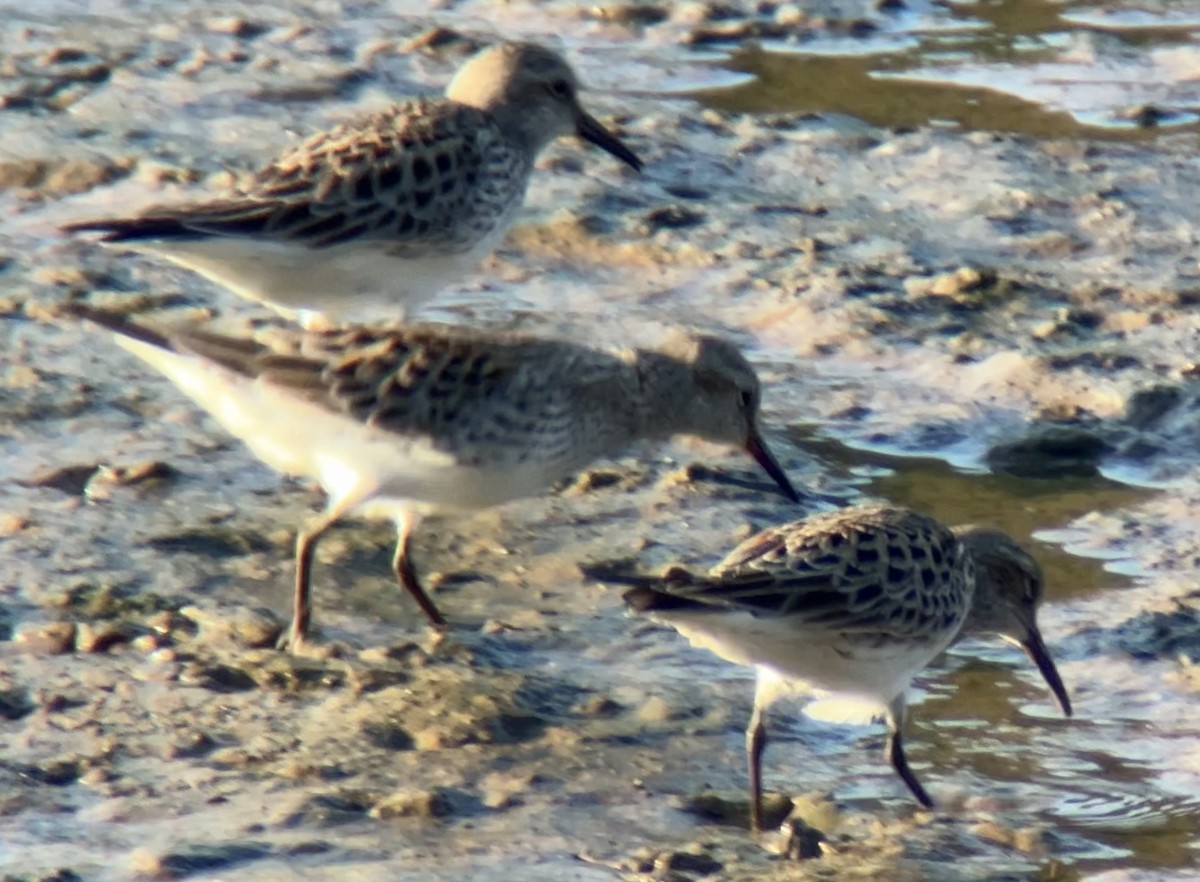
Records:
x=436, y=40
x=244, y=626
x=45, y=638
x=598, y=706
x=630, y=14
x=11, y=524
x=106, y=478
x=655, y=710
x=413, y=804
x=594, y=479
x=961, y=281
x=236, y=26
x=100, y=636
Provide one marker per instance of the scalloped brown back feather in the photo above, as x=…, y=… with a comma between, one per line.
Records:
x=856, y=570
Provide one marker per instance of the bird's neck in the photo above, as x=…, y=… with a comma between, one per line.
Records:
x=666, y=394
x=521, y=127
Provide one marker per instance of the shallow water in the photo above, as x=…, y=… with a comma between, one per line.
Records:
x=1110, y=794
x=1046, y=69
x=1116, y=806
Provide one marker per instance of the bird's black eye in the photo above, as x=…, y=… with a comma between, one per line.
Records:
x=747, y=399
x=560, y=89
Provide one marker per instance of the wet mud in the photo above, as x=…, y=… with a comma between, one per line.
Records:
x=988, y=314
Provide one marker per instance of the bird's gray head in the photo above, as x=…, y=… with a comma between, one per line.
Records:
x=533, y=95
x=721, y=401
x=1009, y=587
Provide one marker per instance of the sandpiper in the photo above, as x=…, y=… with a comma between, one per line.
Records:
x=396, y=422
x=370, y=218
x=853, y=603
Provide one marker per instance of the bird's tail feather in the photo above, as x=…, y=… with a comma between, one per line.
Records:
x=134, y=229
x=649, y=593
x=117, y=322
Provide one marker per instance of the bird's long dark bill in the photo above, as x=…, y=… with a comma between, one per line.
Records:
x=763, y=456
x=1036, y=649
x=590, y=129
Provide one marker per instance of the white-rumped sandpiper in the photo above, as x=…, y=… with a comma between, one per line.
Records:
x=395, y=422
x=373, y=217
x=853, y=603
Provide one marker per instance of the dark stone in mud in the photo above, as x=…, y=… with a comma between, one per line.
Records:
x=670, y=217
x=1147, y=407
x=684, y=862
x=1052, y=453
x=69, y=479
x=14, y=704
x=387, y=735
x=60, y=875
x=721, y=808
x=1154, y=635
x=56, y=772
x=330, y=810
x=214, y=542
x=195, y=859
x=222, y=678
x=803, y=841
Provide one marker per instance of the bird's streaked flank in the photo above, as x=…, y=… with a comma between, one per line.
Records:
x=375, y=216
x=396, y=422
x=854, y=603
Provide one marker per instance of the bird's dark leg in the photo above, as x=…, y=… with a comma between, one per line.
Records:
x=895, y=751
x=756, y=742
x=306, y=545
x=407, y=576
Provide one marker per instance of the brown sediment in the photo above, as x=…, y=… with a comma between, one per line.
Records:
x=934, y=292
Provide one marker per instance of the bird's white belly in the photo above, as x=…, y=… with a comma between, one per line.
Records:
x=806, y=656
x=368, y=468
x=451, y=486
x=352, y=282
